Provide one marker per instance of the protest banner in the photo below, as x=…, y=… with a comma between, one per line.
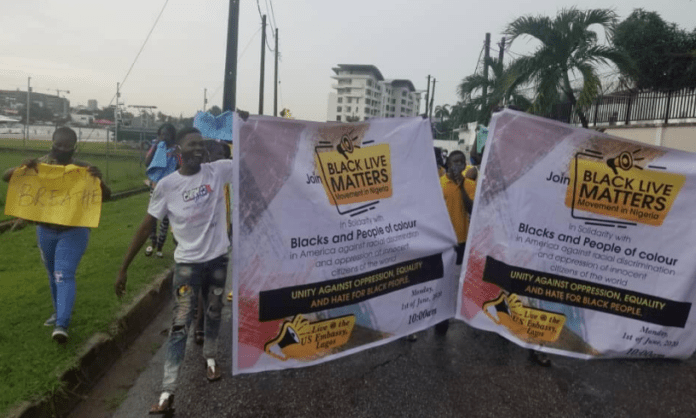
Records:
x=342, y=239
x=57, y=194
x=581, y=243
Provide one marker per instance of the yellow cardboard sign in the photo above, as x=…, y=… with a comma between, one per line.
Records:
x=64, y=195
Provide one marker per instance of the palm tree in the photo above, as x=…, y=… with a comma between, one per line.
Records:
x=499, y=91
x=568, y=45
x=442, y=112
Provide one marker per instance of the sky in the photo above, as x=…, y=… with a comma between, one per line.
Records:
x=87, y=47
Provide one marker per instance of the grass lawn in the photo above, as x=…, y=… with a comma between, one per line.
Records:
x=123, y=174
x=30, y=362
x=119, y=149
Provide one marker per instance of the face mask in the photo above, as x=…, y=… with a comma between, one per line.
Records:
x=62, y=156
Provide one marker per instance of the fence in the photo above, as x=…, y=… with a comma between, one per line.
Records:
x=627, y=107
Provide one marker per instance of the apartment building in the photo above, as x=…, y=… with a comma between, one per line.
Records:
x=363, y=93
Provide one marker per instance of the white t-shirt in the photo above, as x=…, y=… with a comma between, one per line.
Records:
x=196, y=209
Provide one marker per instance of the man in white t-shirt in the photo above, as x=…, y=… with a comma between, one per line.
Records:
x=193, y=198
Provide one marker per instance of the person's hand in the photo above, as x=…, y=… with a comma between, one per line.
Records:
x=31, y=163
x=94, y=171
x=120, y=285
x=243, y=114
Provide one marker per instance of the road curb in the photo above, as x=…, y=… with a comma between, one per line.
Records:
x=100, y=352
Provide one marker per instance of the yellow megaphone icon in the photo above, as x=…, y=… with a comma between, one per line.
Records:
x=623, y=161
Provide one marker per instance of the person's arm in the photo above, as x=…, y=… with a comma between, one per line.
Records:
x=141, y=235
x=32, y=163
x=95, y=172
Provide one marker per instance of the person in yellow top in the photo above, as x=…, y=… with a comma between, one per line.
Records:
x=458, y=191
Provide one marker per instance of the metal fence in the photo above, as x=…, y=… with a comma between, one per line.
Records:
x=627, y=107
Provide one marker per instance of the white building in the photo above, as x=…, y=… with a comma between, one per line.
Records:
x=363, y=93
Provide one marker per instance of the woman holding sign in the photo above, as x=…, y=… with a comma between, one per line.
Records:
x=62, y=246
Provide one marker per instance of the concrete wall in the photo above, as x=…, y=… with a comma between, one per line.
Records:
x=681, y=137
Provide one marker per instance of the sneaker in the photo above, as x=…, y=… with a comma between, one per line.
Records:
x=50, y=321
x=159, y=254
x=149, y=250
x=60, y=335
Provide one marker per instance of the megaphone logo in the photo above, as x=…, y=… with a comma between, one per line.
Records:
x=345, y=146
x=623, y=161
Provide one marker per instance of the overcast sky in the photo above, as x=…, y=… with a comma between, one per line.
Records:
x=87, y=46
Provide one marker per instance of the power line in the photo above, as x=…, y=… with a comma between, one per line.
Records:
x=217, y=90
x=144, y=43
x=147, y=38
x=273, y=13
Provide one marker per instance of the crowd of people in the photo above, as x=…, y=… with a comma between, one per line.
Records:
x=189, y=178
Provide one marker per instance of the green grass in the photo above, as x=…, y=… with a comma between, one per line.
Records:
x=123, y=174
x=117, y=149
x=30, y=362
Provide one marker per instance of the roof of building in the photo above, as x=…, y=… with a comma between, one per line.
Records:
x=403, y=83
x=360, y=67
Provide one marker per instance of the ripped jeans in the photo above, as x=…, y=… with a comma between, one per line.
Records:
x=189, y=279
x=61, y=251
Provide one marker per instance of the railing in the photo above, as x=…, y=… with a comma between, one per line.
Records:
x=624, y=108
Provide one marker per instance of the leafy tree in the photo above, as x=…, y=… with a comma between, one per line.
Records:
x=215, y=111
x=567, y=46
x=499, y=91
x=663, y=53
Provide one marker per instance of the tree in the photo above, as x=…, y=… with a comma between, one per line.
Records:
x=568, y=46
x=662, y=51
x=499, y=91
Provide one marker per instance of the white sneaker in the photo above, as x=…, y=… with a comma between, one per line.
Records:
x=50, y=321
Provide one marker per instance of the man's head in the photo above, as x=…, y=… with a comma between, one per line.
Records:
x=64, y=143
x=167, y=133
x=216, y=150
x=191, y=146
x=456, y=163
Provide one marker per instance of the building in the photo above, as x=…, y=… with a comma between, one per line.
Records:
x=12, y=100
x=363, y=93
x=92, y=105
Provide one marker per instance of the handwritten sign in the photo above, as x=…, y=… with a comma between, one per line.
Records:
x=56, y=194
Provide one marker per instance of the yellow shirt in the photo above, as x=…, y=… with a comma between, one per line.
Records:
x=455, y=205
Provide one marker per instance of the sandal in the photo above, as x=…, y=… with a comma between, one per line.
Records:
x=165, y=406
x=212, y=373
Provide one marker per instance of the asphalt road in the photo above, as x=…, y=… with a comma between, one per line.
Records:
x=467, y=373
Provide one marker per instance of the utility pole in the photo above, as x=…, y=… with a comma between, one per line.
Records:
x=275, y=83
x=205, y=98
x=26, y=136
x=486, y=57
x=263, y=62
x=427, y=96
x=118, y=99
x=501, y=51
x=432, y=98
x=229, y=94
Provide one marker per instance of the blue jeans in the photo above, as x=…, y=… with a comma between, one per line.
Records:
x=61, y=252
x=189, y=279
